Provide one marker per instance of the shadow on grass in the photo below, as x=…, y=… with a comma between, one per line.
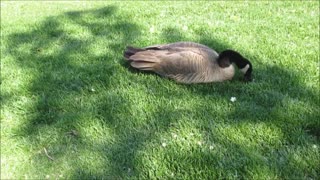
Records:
x=64, y=70
x=269, y=101
x=272, y=84
x=67, y=69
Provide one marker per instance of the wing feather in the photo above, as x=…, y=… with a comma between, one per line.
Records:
x=183, y=66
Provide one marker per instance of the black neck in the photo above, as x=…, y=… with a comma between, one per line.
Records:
x=227, y=57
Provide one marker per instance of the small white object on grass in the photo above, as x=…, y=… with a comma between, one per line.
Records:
x=233, y=99
x=152, y=29
x=185, y=28
x=164, y=144
x=174, y=135
x=211, y=147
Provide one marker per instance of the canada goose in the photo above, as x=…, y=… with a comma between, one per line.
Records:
x=188, y=62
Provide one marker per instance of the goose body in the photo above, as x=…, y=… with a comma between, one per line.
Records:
x=184, y=62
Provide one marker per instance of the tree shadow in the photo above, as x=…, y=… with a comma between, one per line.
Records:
x=68, y=68
x=272, y=101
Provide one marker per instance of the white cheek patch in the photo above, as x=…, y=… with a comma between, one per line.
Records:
x=245, y=69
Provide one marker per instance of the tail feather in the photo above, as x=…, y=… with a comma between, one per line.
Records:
x=142, y=65
x=143, y=59
x=144, y=56
x=131, y=51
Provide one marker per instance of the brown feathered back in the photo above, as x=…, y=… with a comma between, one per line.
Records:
x=185, y=62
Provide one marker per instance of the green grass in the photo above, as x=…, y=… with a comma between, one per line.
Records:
x=66, y=89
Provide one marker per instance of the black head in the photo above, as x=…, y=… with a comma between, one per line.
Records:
x=227, y=57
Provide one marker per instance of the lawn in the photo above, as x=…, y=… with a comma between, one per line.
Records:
x=72, y=108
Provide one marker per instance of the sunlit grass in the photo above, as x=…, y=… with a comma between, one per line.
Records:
x=73, y=108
